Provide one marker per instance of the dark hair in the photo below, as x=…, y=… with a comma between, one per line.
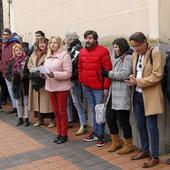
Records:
x=42, y=39
x=0, y=40
x=41, y=33
x=123, y=45
x=138, y=37
x=7, y=30
x=91, y=32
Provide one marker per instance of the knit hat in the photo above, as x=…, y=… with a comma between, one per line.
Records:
x=7, y=30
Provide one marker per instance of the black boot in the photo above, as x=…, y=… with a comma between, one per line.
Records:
x=19, y=121
x=62, y=139
x=26, y=122
x=57, y=138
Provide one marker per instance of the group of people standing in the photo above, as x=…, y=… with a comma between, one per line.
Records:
x=127, y=79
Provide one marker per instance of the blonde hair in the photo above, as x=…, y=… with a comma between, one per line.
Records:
x=17, y=46
x=59, y=42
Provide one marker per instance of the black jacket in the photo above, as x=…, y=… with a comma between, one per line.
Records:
x=19, y=85
x=166, y=77
x=73, y=50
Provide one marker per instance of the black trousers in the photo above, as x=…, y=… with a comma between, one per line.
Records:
x=4, y=89
x=120, y=116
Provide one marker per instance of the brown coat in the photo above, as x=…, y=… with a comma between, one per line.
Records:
x=151, y=81
x=38, y=100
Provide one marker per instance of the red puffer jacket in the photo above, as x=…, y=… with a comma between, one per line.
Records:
x=90, y=64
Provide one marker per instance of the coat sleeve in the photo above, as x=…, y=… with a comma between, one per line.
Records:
x=157, y=71
x=67, y=69
x=124, y=72
x=107, y=66
x=9, y=71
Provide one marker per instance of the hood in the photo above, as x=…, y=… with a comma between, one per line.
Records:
x=11, y=40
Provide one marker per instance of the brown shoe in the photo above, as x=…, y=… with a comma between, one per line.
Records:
x=140, y=155
x=152, y=162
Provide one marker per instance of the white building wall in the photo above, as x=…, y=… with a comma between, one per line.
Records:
x=110, y=17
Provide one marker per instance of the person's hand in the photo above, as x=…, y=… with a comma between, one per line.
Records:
x=105, y=73
x=105, y=94
x=50, y=75
x=131, y=81
x=43, y=76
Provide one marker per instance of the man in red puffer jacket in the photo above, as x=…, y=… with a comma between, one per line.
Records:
x=92, y=59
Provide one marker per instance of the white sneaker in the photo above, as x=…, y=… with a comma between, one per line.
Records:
x=81, y=130
x=37, y=124
x=51, y=124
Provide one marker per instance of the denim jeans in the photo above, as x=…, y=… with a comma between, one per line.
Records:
x=145, y=124
x=70, y=108
x=9, y=85
x=75, y=92
x=95, y=97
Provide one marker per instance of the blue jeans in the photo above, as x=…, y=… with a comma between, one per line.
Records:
x=95, y=97
x=9, y=85
x=145, y=124
x=75, y=93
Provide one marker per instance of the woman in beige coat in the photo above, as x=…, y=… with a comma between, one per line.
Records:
x=148, y=96
x=39, y=101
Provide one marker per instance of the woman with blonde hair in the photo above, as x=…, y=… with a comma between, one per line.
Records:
x=18, y=74
x=58, y=84
x=39, y=101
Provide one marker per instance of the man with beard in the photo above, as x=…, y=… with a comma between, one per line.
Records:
x=8, y=43
x=92, y=59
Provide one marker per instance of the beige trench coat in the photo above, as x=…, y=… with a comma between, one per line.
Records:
x=38, y=100
x=151, y=81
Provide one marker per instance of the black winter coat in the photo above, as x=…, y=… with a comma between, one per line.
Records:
x=19, y=86
x=166, y=80
x=73, y=50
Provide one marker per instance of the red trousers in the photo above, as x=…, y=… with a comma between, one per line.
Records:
x=59, y=103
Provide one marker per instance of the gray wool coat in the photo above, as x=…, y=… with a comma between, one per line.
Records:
x=119, y=90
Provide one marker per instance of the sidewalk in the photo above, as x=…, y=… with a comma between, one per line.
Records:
x=23, y=148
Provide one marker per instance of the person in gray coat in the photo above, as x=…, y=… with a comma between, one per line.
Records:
x=119, y=101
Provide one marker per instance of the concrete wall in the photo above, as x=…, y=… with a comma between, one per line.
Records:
x=164, y=20
x=111, y=17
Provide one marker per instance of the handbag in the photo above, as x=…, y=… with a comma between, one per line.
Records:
x=100, y=110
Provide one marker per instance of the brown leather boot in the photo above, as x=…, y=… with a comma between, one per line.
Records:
x=115, y=143
x=127, y=147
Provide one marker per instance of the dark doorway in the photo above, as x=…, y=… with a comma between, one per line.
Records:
x=1, y=18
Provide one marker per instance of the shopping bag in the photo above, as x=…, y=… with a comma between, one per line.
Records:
x=100, y=111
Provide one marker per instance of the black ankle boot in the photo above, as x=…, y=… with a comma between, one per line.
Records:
x=62, y=139
x=19, y=121
x=57, y=138
x=26, y=122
